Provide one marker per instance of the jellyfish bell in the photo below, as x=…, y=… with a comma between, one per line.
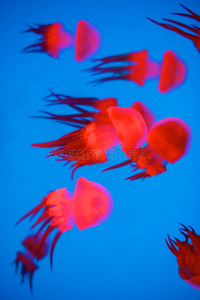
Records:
x=130, y=127
x=171, y=138
x=87, y=41
x=93, y=204
x=173, y=72
x=146, y=113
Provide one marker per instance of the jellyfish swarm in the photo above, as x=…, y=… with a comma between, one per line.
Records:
x=88, y=144
x=87, y=41
x=53, y=39
x=138, y=70
x=169, y=140
x=171, y=72
x=29, y=258
x=90, y=206
x=193, y=33
x=188, y=255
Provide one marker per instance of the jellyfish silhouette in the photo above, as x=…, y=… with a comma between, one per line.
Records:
x=90, y=206
x=169, y=140
x=188, y=255
x=171, y=72
x=194, y=36
x=53, y=39
x=30, y=258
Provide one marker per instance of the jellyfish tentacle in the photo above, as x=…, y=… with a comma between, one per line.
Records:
x=57, y=236
x=49, y=229
x=191, y=28
x=33, y=212
x=192, y=15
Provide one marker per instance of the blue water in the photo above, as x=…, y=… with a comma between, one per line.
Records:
x=126, y=257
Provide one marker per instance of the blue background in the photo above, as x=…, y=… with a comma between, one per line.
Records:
x=126, y=257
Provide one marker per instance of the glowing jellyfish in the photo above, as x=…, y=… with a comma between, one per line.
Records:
x=87, y=41
x=171, y=72
x=139, y=69
x=53, y=39
x=90, y=206
x=169, y=140
x=87, y=145
x=188, y=255
x=32, y=255
x=194, y=34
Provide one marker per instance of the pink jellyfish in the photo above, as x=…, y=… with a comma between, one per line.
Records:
x=194, y=34
x=139, y=69
x=53, y=39
x=87, y=41
x=171, y=72
x=188, y=255
x=90, y=206
x=29, y=258
x=169, y=140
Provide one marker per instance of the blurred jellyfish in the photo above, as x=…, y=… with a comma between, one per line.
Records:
x=171, y=72
x=188, y=255
x=53, y=39
x=33, y=254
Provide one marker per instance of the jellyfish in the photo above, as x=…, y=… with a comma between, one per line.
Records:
x=87, y=41
x=171, y=72
x=88, y=144
x=53, y=39
x=188, y=255
x=139, y=69
x=169, y=140
x=194, y=34
x=30, y=258
x=90, y=206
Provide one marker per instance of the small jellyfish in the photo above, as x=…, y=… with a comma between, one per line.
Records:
x=139, y=69
x=53, y=39
x=169, y=140
x=90, y=206
x=188, y=255
x=87, y=41
x=194, y=34
x=171, y=72
x=30, y=258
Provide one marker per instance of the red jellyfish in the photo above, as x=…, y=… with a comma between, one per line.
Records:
x=173, y=72
x=29, y=258
x=188, y=255
x=138, y=70
x=169, y=140
x=87, y=145
x=87, y=41
x=146, y=113
x=194, y=34
x=53, y=39
x=90, y=206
